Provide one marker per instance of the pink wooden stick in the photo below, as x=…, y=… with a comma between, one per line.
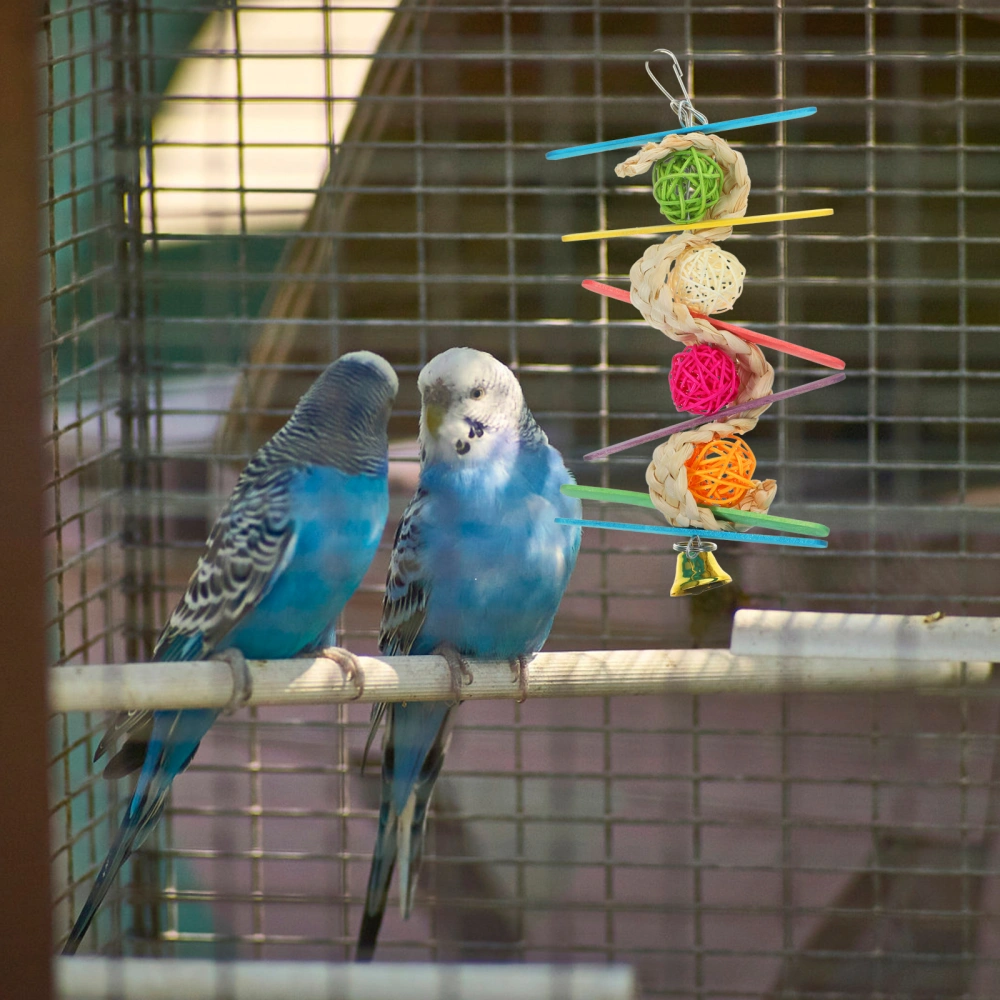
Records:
x=609, y=291
x=730, y=411
x=826, y=360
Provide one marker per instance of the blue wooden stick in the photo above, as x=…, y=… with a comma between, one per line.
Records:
x=725, y=536
x=641, y=140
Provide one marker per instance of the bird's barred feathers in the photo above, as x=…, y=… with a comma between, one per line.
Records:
x=404, y=605
x=528, y=430
x=341, y=420
x=248, y=544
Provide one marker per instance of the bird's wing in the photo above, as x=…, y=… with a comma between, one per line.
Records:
x=252, y=542
x=404, y=606
x=416, y=735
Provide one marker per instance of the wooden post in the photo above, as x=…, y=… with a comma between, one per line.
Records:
x=25, y=914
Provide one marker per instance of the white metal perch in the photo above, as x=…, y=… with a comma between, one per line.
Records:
x=193, y=979
x=210, y=683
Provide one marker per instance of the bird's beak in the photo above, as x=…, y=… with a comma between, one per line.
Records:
x=433, y=417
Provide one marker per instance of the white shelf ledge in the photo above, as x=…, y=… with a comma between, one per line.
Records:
x=193, y=979
x=880, y=637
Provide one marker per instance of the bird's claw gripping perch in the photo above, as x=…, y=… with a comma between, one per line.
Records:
x=519, y=668
x=350, y=667
x=457, y=667
x=242, y=679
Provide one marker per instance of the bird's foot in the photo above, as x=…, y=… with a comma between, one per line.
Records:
x=519, y=668
x=242, y=679
x=350, y=667
x=457, y=667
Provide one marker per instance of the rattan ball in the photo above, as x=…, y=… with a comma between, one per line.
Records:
x=703, y=379
x=687, y=185
x=720, y=472
x=708, y=280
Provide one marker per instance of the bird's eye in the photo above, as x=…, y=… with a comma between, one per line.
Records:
x=477, y=393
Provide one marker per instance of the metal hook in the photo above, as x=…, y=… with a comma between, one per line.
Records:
x=683, y=107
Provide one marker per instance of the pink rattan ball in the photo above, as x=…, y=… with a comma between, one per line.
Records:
x=703, y=379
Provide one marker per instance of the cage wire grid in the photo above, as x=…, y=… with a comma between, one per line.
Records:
x=205, y=255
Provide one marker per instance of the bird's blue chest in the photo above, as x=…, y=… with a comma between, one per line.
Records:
x=338, y=524
x=500, y=563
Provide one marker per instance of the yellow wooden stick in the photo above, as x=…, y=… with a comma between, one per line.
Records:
x=747, y=220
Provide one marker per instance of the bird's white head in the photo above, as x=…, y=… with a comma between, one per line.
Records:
x=472, y=408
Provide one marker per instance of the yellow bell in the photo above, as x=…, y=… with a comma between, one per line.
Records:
x=697, y=569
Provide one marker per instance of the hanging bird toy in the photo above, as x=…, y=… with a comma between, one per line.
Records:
x=701, y=477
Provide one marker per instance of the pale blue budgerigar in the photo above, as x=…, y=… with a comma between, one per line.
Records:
x=290, y=547
x=478, y=569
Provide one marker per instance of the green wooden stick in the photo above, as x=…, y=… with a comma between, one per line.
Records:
x=608, y=496
x=790, y=524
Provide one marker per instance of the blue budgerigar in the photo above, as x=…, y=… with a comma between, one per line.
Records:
x=478, y=569
x=288, y=550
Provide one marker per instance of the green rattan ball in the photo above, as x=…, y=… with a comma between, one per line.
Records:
x=687, y=185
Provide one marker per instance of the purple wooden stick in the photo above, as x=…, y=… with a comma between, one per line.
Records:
x=730, y=411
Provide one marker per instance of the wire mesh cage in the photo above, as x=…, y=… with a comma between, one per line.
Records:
x=236, y=193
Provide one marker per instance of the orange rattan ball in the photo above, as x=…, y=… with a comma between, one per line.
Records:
x=720, y=471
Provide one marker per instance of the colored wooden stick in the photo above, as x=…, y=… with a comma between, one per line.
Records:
x=641, y=140
x=604, y=495
x=726, y=536
x=782, y=346
x=707, y=418
x=746, y=220
x=608, y=291
x=750, y=336
x=791, y=524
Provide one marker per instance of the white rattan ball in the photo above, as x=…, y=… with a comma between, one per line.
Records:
x=708, y=280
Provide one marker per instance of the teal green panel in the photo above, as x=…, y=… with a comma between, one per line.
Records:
x=76, y=85
x=201, y=295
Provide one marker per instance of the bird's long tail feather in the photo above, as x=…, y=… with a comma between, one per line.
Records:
x=417, y=738
x=383, y=863
x=175, y=738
